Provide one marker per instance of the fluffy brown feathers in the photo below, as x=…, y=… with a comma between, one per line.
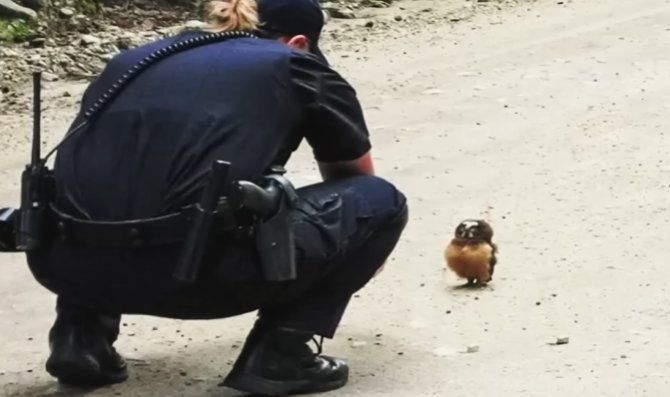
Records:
x=471, y=254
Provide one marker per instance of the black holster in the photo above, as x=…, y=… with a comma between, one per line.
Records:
x=37, y=191
x=270, y=204
x=275, y=238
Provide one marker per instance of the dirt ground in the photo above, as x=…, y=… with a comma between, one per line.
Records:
x=548, y=119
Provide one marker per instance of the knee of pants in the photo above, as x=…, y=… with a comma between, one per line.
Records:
x=386, y=210
x=383, y=201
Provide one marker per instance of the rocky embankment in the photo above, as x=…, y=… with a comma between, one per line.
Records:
x=68, y=40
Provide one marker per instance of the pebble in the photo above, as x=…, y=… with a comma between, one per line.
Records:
x=194, y=24
x=87, y=39
x=472, y=349
x=49, y=77
x=106, y=57
x=339, y=13
x=38, y=42
x=433, y=91
x=66, y=12
x=562, y=340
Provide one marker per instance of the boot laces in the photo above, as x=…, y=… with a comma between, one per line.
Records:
x=319, y=345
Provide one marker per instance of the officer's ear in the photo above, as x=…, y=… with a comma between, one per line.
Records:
x=299, y=42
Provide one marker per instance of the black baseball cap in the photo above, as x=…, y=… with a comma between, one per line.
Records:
x=293, y=17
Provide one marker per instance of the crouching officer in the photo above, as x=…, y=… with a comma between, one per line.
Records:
x=169, y=199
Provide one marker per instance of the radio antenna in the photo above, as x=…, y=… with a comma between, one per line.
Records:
x=37, y=118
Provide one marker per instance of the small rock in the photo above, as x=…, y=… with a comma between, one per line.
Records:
x=562, y=340
x=124, y=43
x=138, y=362
x=369, y=24
x=148, y=24
x=38, y=42
x=359, y=343
x=473, y=349
x=339, y=13
x=376, y=3
x=66, y=12
x=433, y=91
x=7, y=53
x=87, y=40
x=106, y=57
x=398, y=18
x=46, y=76
x=194, y=25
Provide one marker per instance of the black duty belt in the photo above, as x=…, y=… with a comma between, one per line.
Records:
x=241, y=208
x=163, y=230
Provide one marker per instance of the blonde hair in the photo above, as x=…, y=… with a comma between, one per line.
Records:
x=225, y=15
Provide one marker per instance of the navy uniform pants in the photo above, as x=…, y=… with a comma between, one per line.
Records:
x=345, y=230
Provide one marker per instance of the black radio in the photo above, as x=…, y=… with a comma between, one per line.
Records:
x=25, y=229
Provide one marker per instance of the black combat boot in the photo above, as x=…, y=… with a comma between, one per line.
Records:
x=82, y=352
x=277, y=362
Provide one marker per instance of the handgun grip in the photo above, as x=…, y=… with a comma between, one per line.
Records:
x=247, y=195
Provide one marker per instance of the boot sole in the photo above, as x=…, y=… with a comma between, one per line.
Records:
x=256, y=385
x=76, y=373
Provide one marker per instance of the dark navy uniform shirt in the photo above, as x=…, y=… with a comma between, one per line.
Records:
x=247, y=101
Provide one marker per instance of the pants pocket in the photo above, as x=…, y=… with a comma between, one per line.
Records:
x=325, y=215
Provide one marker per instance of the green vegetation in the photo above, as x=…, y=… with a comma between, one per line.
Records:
x=87, y=7
x=16, y=30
